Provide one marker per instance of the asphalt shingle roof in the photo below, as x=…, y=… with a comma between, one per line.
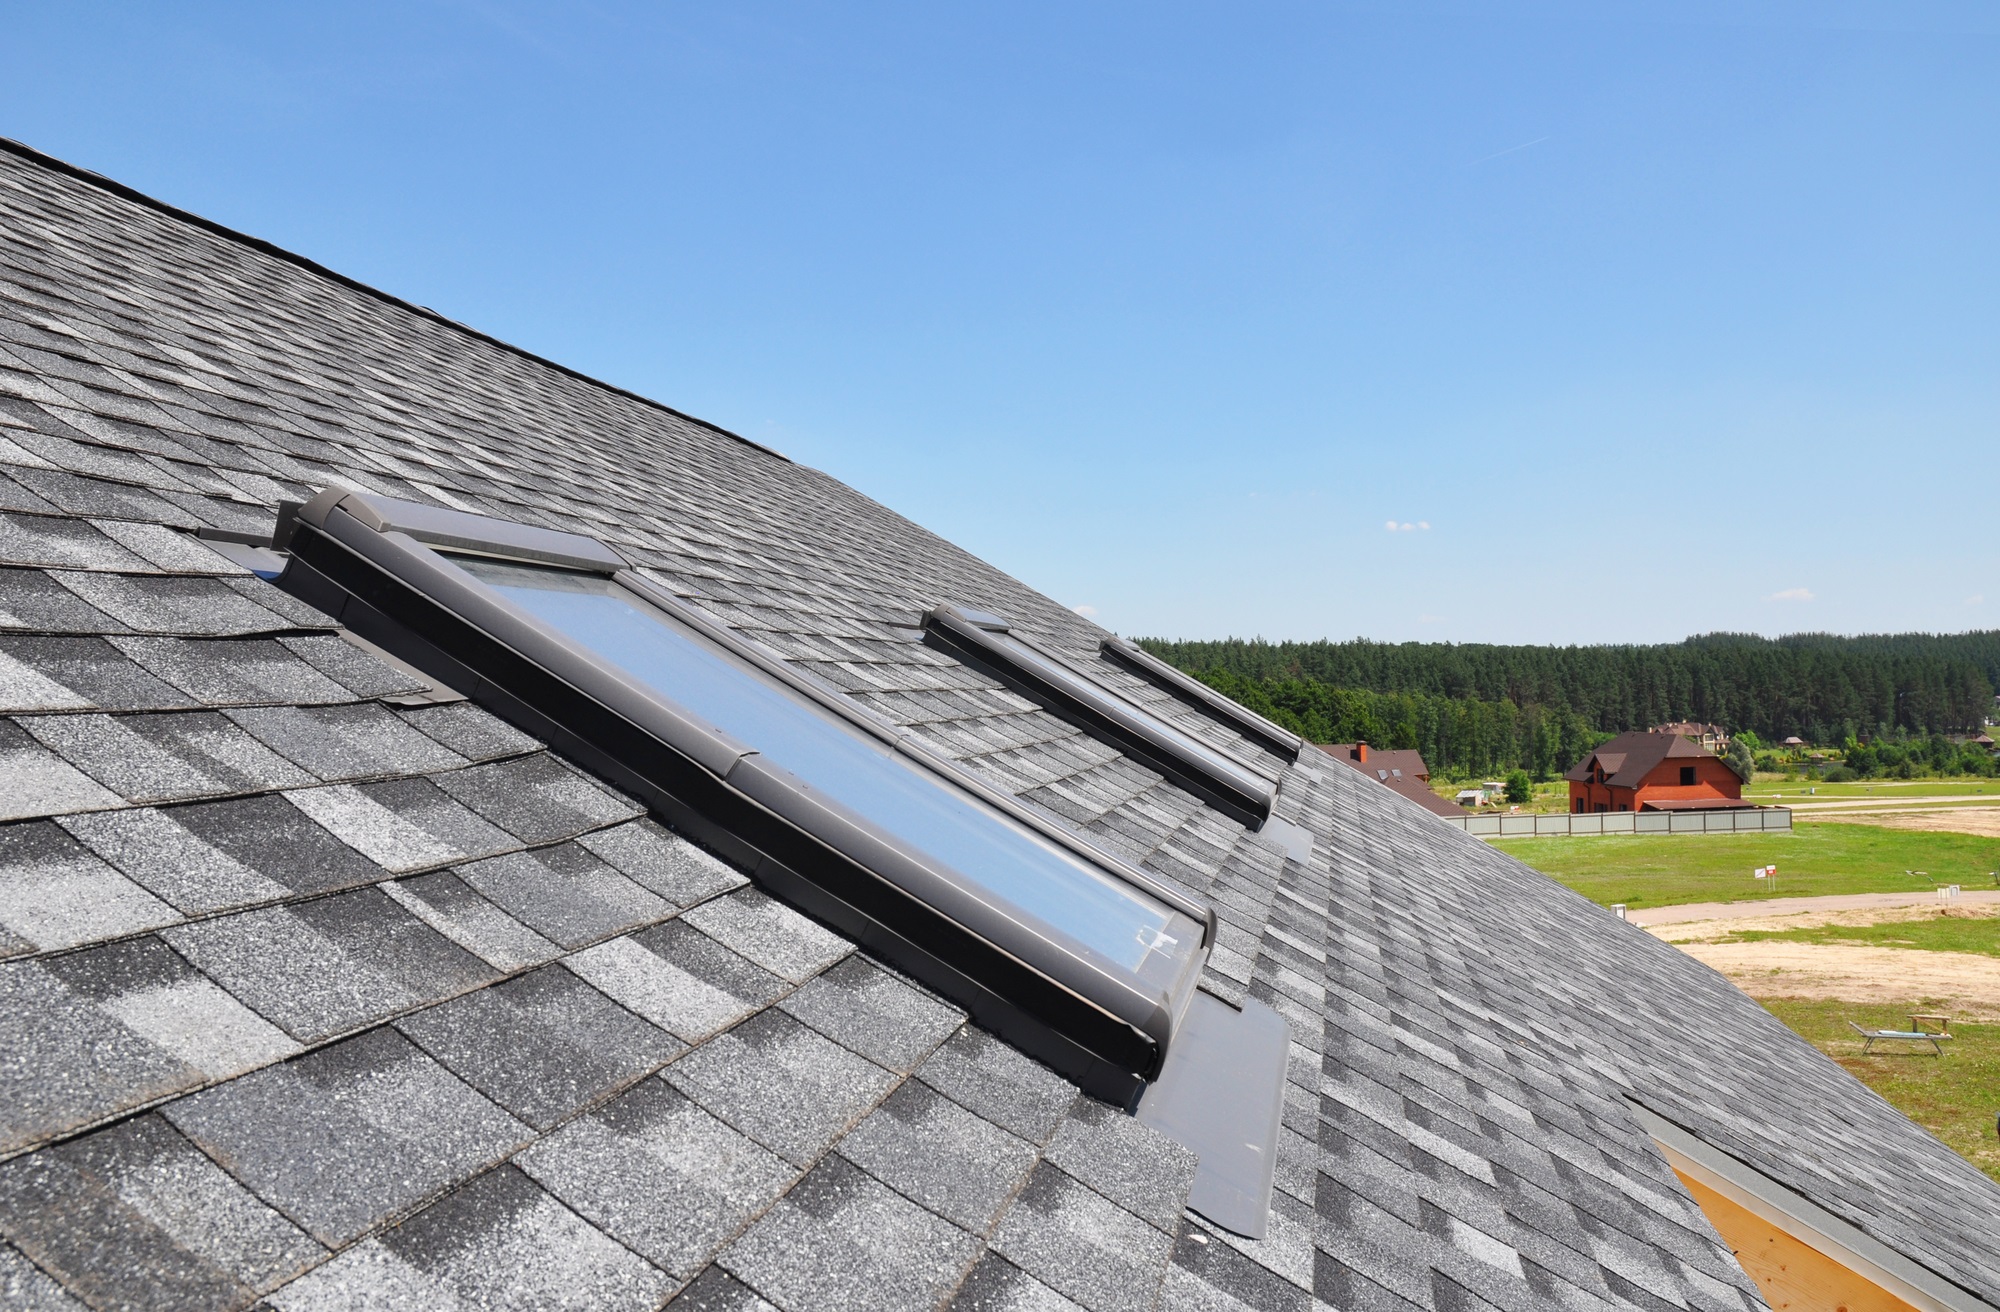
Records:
x=314, y=996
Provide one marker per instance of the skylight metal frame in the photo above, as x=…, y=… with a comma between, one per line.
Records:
x=1193, y=692
x=384, y=568
x=988, y=642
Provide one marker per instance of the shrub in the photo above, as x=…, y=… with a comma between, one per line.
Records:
x=1740, y=760
x=1520, y=788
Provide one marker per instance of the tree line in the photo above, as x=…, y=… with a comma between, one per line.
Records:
x=1460, y=737
x=1822, y=687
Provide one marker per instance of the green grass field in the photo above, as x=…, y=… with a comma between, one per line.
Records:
x=1955, y=1096
x=1814, y=859
x=1939, y=933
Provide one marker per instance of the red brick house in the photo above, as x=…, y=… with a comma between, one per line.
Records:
x=1397, y=770
x=1653, y=772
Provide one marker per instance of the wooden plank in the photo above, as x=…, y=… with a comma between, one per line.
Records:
x=1793, y=1276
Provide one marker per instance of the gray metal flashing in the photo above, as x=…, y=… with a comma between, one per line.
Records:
x=1803, y=1219
x=1296, y=839
x=455, y=530
x=1222, y=1094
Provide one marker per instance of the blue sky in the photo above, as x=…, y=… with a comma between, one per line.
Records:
x=1647, y=319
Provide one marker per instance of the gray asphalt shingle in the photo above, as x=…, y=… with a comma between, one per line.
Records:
x=934, y=1152
x=781, y=1084
x=537, y=798
x=150, y=848
x=840, y=1241
x=498, y=1243
x=565, y=893
x=768, y=932
x=54, y=893
x=135, y=1217
x=1455, y=1131
x=885, y=1018
x=344, y=1138
x=234, y=672
x=452, y=907
x=330, y=965
x=660, y=1174
x=278, y=841
x=679, y=979
x=1083, y=1246
x=65, y=1063
x=96, y=674
x=542, y=1045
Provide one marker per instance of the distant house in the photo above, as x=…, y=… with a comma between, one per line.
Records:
x=1712, y=737
x=1793, y=741
x=1401, y=772
x=1653, y=772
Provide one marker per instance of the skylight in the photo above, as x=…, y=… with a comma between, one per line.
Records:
x=1078, y=959
x=1280, y=741
x=990, y=643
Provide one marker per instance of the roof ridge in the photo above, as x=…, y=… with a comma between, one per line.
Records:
x=33, y=156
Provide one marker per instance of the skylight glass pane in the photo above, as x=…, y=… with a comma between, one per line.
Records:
x=1014, y=865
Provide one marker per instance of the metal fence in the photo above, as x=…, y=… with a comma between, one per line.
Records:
x=1763, y=819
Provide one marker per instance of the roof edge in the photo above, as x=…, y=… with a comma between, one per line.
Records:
x=1894, y=1270
x=24, y=151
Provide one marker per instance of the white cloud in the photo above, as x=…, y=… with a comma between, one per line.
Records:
x=1421, y=526
x=1791, y=594
x=1088, y=612
x=1976, y=599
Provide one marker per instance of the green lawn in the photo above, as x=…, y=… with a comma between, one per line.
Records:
x=1661, y=870
x=1549, y=797
x=1938, y=933
x=1955, y=1096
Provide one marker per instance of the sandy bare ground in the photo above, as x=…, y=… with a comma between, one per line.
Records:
x=1960, y=984
x=1981, y=821
x=1964, y=985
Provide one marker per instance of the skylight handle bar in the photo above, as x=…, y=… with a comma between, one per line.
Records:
x=1204, y=698
x=1225, y=784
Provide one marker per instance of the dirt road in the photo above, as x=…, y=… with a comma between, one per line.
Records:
x=1799, y=906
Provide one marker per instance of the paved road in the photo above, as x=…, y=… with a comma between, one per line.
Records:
x=1782, y=906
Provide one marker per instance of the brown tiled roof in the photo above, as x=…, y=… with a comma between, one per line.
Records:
x=1630, y=757
x=1402, y=770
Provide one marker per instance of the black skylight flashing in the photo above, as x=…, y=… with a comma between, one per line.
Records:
x=1204, y=698
x=1103, y=1024
x=987, y=642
